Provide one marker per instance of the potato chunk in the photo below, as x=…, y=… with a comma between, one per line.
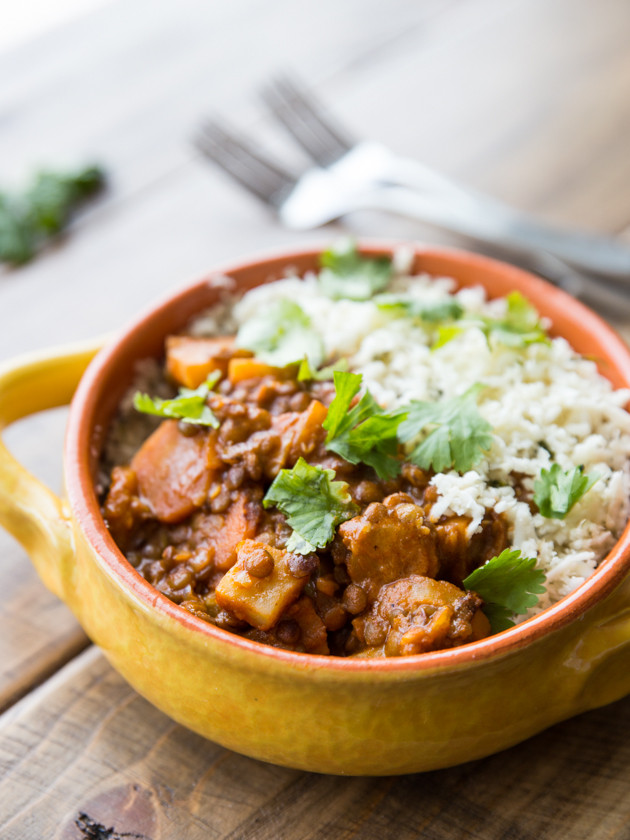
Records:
x=388, y=541
x=260, y=601
x=174, y=471
x=189, y=361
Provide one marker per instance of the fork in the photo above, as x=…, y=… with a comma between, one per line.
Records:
x=321, y=195
x=408, y=187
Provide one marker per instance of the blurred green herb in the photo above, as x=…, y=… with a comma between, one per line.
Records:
x=307, y=374
x=30, y=218
x=520, y=325
x=282, y=334
x=432, y=313
x=345, y=273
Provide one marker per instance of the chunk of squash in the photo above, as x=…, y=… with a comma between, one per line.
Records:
x=174, y=471
x=300, y=431
x=241, y=369
x=241, y=522
x=260, y=601
x=189, y=360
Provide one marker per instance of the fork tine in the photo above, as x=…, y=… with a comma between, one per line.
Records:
x=252, y=169
x=306, y=120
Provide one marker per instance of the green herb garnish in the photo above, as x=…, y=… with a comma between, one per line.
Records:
x=432, y=313
x=365, y=433
x=458, y=437
x=445, y=334
x=189, y=406
x=346, y=274
x=556, y=491
x=520, y=327
x=307, y=374
x=313, y=503
x=509, y=584
x=281, y=334
x=27, y=220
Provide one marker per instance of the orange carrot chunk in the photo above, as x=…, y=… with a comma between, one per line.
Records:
x=300, y=432
x=241, y=522
x=189, y=361
x=174, y=471
x=240, y=369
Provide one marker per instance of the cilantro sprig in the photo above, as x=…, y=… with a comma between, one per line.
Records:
x=509, y=584
x=29, y=218
x=556, y=491
x=189, y=405
x=281, y=334
x=313, y=503
x=365, y=433
x=458, y=436
x=307, y=374
x=519, y=327
x=432, y=313
x=346, y=274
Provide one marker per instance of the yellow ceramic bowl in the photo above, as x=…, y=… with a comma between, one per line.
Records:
x=312, y=712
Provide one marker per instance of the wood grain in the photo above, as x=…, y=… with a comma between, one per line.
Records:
x=85, y=743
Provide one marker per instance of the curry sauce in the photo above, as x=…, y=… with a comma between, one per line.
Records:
x=188, y=513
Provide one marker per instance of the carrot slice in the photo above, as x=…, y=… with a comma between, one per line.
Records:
x=241, y=522
x=189, y=360
x=174, y=471
x=300, y=431
x=240, y=369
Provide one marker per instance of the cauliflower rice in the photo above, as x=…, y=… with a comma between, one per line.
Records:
x=544, y=402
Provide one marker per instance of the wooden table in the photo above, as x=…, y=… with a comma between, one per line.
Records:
x=527, y=99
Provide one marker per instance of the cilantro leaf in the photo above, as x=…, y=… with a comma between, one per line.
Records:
x=29, y=218
x=313, y=503
x=434, y=313
x=347, y=386
x=189, y=406
x=281, y=334
x=556, y=491
x=365, y=433
x=346, y=274
x=460, y=435
x=18, y=239
x=446, y=334
x=520, y=327
x=509, y=585
x=307, y=374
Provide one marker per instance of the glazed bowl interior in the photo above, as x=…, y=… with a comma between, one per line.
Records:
x=112, y=373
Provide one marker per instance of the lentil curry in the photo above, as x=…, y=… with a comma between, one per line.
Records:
x=194, y=513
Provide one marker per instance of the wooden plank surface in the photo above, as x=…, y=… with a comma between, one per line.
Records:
x=132, y=769
x=528, y=99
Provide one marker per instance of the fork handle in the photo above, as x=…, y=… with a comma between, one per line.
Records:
x=409, y=187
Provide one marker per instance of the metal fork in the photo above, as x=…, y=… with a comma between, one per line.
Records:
x=426, y=193
x=322, y=194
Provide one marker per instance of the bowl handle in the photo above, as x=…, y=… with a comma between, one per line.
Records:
x=31, y=512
